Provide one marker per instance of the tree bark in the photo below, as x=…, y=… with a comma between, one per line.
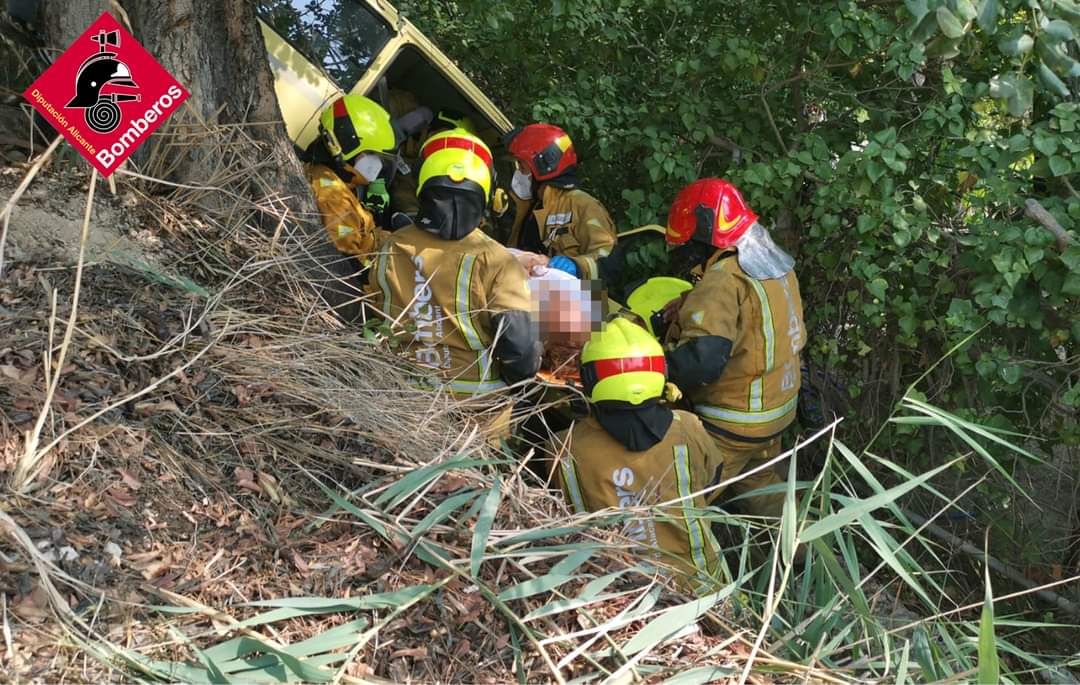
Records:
x=215, y=49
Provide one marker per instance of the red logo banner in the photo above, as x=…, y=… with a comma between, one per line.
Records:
x=106, y=94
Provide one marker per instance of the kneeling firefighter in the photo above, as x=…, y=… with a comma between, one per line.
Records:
x=634, y=451
x=356, y=139
x=556, y=218
x=734, y=342
x=464, y=295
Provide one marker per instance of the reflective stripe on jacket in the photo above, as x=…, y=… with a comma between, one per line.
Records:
x=755, y=396
x=574, y=224
x=350, y=226
x=597, y=472
x=451, y=289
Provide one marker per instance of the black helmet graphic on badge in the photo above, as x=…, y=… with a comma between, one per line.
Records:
x=96, y=73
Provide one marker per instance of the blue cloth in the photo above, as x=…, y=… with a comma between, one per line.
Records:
x=563, y=263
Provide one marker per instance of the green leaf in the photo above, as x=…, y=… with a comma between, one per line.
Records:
x=902, y=238
x=1071, y=285
x=902, y=668
x=1045, y=143
x=291, y=607
x=1016, y=45
x=988, y=15
x=483, y=526
x=852, y=512
x=675, y=619
x=1056, y=57
x=414, y=481
x=541, y=534
x=1017, y=91
x=949, y=24
x=924, y=655
x=789, y=518
x=875, y=170
x=441, y=512
x=877, y=288
x=918, y=9
x=1060, y=30
x=989, y=669
x=589, y=594
x=702, y=675
x=560, y=573
x=966, y=10
x=1059, y=166
x=1071, y=258
x=1011, y=374
x=1051, y=81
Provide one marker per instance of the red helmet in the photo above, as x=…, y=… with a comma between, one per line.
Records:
x=545, y=149
x=709, y=210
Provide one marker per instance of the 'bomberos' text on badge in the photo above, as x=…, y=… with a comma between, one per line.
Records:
x=106, y=94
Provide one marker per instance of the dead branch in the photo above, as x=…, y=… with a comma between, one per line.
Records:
x=1034, y=210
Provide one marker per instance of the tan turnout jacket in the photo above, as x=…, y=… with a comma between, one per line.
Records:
x=445, y=292
x=350, y=226
x=597, y=472
x=574, y=224
x=756, y=395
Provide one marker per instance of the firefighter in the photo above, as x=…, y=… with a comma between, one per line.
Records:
x=556, y=218
x=463, y=296
x=356, y=140
x=734, y=340
x=634, y=451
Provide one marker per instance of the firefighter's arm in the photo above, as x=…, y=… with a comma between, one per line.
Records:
x=595, y=236
x=349, y=225
x=708, y=326
x=517, y=345
x=710, y=467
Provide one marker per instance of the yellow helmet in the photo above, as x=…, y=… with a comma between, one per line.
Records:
x=454, y=158
x=449, y=118
x=651, y=296
x=353, y=124
x=623, y=362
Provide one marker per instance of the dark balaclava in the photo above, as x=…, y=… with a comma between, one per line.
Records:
x=451, y=210
x=635, y=427
x=687, y=257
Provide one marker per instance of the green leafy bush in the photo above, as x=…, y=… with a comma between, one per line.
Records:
x=892, y=145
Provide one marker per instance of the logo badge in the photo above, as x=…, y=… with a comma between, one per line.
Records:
x=106, y=94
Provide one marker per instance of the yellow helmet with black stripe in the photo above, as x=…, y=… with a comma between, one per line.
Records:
x=623, y=362
x=456, y=158
x=353, y=124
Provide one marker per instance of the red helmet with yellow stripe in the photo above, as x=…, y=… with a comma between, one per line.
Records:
x=545, y=149
x=456, y=158
x=711, y=211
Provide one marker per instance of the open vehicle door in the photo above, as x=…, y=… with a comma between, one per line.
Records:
x=319, y=49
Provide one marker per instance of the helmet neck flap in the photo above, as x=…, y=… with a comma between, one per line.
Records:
x=760, y=257
x=451, y=210
x=635, y=427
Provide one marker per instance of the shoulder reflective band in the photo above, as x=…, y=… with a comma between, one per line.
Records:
x=606, y=368
x=452, y=143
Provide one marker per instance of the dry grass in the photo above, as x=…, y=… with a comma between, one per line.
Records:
x=217, y=438
x=186, y=445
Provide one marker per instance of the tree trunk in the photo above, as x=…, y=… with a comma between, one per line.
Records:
x=215, y=49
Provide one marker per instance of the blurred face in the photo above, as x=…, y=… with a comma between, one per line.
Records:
x=567, y=311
